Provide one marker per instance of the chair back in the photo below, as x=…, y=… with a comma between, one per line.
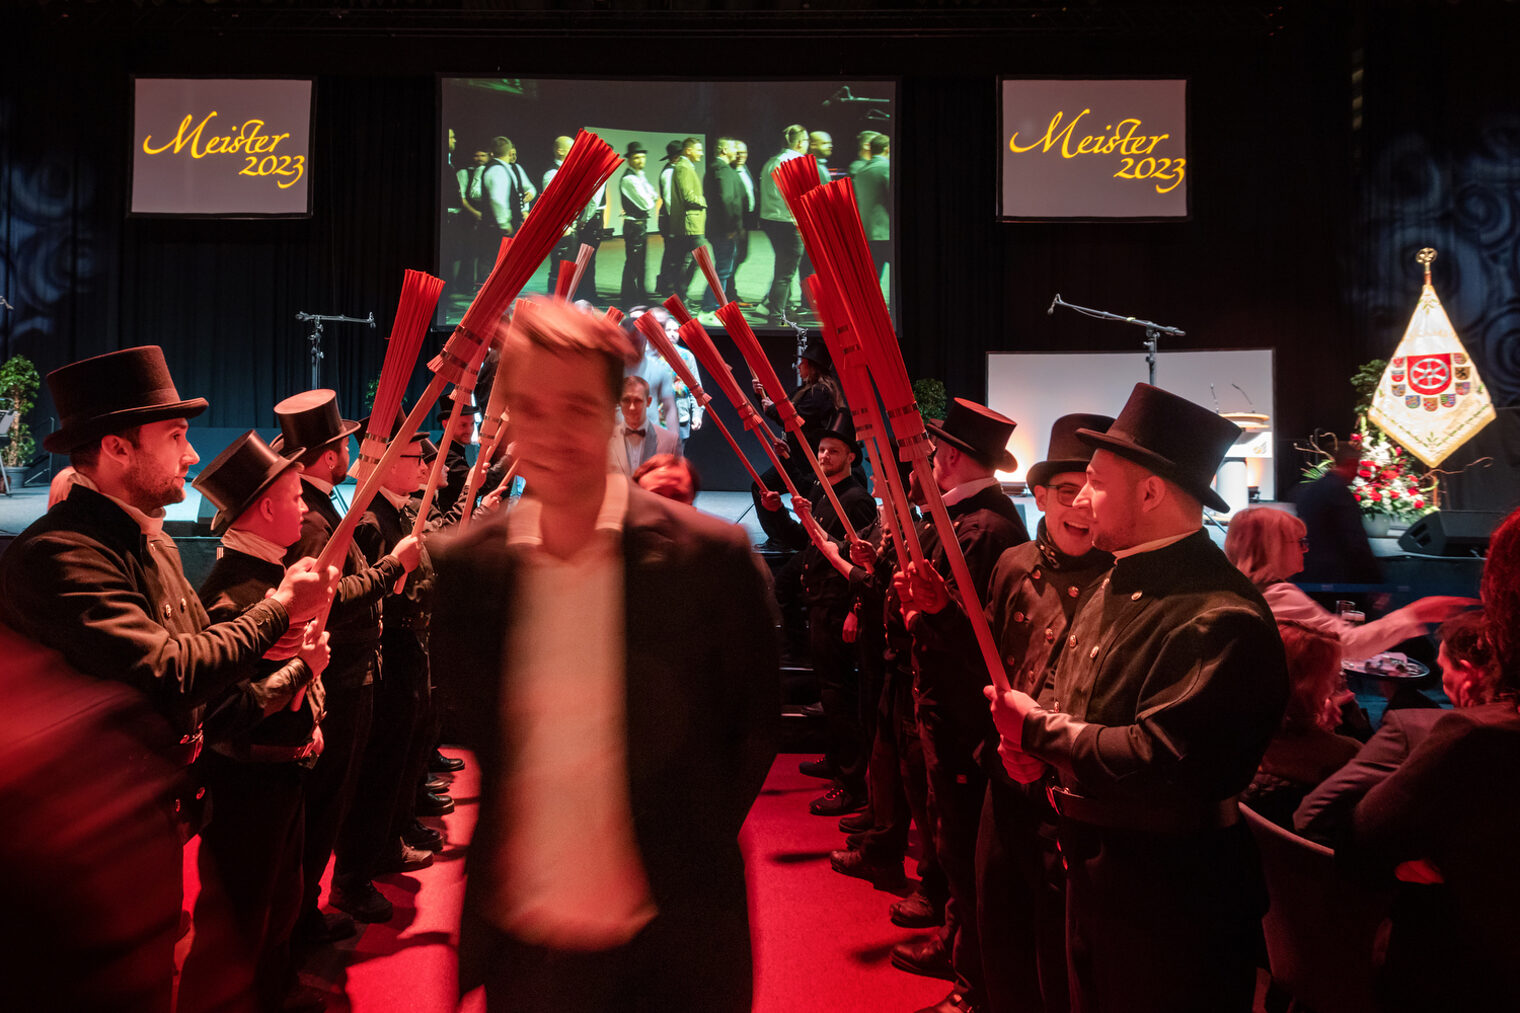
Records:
x=1321, y=926
x=7, y=419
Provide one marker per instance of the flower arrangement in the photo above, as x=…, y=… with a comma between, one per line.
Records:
x=1389, y=483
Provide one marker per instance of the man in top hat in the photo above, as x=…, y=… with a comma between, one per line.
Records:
x=312, y=433
x=640, y=203
x=1036, y=588
x=817, y=400
x=98, y=580
x=260, y=742
x=606, y=853
x=829, y=598
x=385, y=797
x=671, y=226
x=1170, y=685
x=971, y=445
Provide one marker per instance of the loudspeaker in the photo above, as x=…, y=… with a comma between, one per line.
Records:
x=1451, y=533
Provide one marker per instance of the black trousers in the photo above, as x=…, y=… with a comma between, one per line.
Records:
x=672, y=250
x=635, y=257
x=797, y=468
x=250, y=871
x=741, y=253
x=723, y=248
x=899, y=782
x=688, y=246
x=330, y=786
x=1021, y=901
x=957, y=786
x=845, y=743
x=367, y=839
x=786, y=248
x=1162, y=923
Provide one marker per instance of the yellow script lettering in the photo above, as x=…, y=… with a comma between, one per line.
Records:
x=184, y=137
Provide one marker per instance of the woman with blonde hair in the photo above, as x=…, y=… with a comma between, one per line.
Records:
x=1268, y=546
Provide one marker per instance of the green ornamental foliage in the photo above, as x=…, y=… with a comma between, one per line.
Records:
x=930, y=395
x=18, y=390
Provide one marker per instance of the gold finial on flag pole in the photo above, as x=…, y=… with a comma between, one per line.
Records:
x=1425, y=256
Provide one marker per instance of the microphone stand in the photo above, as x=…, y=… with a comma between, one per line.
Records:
x=1153, y=331
x=315, y=338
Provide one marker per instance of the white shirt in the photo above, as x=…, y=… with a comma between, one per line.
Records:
x=773, y=206
x=1152, y=546
x=254, y=545
x=1358, y=640
x=968, y=489
x=639, y=191
x=568, y=874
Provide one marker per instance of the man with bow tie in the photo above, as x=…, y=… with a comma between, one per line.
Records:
x=637, y=437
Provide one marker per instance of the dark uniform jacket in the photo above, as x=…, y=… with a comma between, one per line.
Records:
x=725, y=199
x=1339, y=552
x=84, y=580
x=1035, y=591
x=1171, y=684
x=821, y=583
x=986, y=524
x=255, y=711
x=817, y=403
x=702, y=705
x=353, y=624
x=382, y=527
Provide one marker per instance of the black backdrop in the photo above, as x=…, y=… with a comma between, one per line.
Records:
x=1307, y=201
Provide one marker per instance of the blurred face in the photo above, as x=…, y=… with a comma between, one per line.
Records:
x=155, y=475
x=670, y=481
x=340, y=469
x=1112, y=498
x=511, y=158
x=694, y=152
x=464, y=429
x=741, y=152
x=1294, y=551
x=482, y=157
x=408, y=474
x=807, y=371
x=560, y=423
x=821, y=145
x=834, y=457
x=1070, y=526
x=1462, y=681
x=636, y=163
x=634, y=405
x=286, y=508
x=942, y=462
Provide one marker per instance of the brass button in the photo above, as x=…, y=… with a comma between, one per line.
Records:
x=1050, y=634
x=1072, y=591
x=1036, y=573
x=1071, y=641
x=1018, y=617
x=1135, y=596
x=1093, y=653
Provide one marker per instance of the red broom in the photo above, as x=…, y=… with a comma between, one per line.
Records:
x=614, y=314
x=749, y=346
x=419, y=297
x=582, y=258
x=654, y=331
x=703, y=256
x=829, y=220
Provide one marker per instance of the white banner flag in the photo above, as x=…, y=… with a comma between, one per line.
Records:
x=1430, y=398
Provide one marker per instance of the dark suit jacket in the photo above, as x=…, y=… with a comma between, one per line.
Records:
x=83, y=581
x=873, y=196
x=1326, y=813
x=702, y=706
x=725, y=199
x=1338, y=548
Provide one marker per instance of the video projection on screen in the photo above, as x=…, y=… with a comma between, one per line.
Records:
x=221, y=147
x=1094, y=150
x=503, y=138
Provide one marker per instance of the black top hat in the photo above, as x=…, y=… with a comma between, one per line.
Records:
x=310, y=420
x=814, y=350
x=840, y=426
x=429, y=448
x=1067, y=452
x=1181, y=441
x=979, y=431
x=672, y=150
x=635, y=148
x=239, y=475
x=111, y=392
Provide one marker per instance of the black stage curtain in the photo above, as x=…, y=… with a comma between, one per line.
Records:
x=1303, y=214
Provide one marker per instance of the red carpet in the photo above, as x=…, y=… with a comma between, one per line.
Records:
x=821, y=939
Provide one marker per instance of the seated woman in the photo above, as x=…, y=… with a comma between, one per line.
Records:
x=1450, y=815
x=1467, y=675
x=1268, y=546
x=1305, y=750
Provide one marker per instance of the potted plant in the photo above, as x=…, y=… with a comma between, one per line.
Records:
x=18, y=391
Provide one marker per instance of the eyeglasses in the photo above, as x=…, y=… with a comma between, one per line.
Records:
x=1066, y=493
x=1303, y=543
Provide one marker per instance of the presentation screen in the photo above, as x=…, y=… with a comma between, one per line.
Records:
x=221, y=147
x=1093, y=150
x=502, y=138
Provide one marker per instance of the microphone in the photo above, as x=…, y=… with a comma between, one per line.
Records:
x=1053, y=304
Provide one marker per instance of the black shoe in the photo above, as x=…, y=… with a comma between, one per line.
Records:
x=927, y=957
x=835, y=802
x=363, y=901
x=816, y=768
x=436, y=785
x=955, y=1002
x=440, y=764
x=419, y=835
x=432, y=804
x=317, y=928
x=863, y=866
x=856, y=823
x=405, y=859
x=916, y=911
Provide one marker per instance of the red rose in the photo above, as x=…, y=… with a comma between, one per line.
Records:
x=1356, y=437
x=1376, y=496
x=1419, y=504
x=1356, y=496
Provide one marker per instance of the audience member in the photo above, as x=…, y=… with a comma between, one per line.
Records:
x=671, y=476
x=1338, y=550
x=637, y=438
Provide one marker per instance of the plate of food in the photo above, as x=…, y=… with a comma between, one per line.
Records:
x=1388, y=665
